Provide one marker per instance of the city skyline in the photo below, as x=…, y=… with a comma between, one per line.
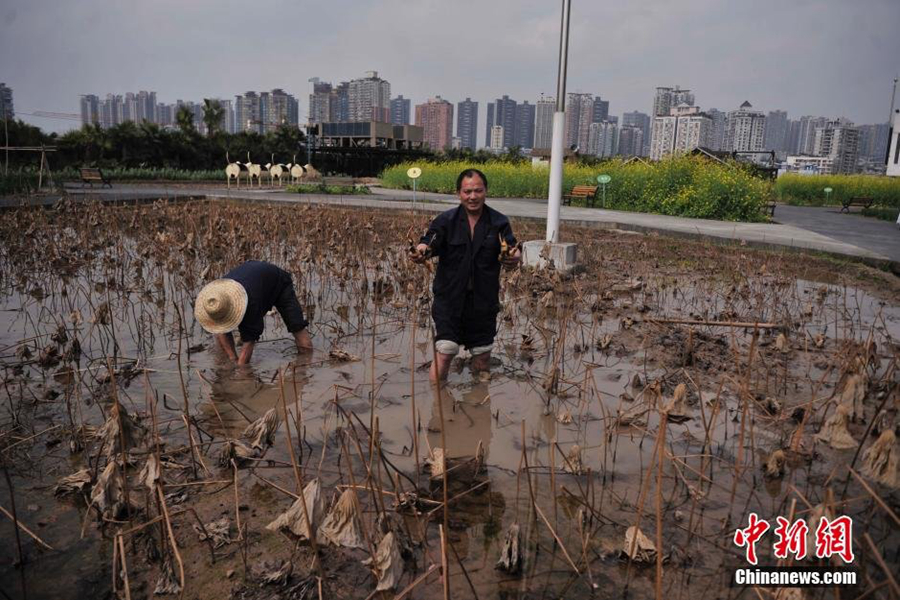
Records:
x=679, y=124
x=791, y=63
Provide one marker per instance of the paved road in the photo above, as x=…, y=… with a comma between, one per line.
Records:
x=872, y=234
x=820, y=229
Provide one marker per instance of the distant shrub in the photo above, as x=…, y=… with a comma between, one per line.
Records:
x=146, y=174
x=809, y=189
x=321, y=188
x=18, y=182
x=885, y=213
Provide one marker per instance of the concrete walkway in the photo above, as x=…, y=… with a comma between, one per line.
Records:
x=808, y=228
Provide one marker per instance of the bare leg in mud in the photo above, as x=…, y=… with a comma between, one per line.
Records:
x=481, y=362
x=440, y=366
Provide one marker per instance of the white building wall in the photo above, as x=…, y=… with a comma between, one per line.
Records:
x=662, y=137
x=497, y=137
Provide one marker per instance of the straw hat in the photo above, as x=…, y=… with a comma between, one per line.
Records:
x=221, y=305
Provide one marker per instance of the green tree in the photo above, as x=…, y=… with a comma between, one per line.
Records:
x=123, y=139
x=213, y=115
x=184, y=118
x=284, y=142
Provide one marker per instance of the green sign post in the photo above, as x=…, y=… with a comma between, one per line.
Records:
x=603, y=180
x=827, y=191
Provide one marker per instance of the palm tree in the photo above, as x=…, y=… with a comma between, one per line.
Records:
x=123, y=139
x=213, y=115
x=96, y=139
x=153, y=143
x=184, y=118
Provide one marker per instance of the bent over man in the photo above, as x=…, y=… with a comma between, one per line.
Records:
x=469, y=242
x=241, y=299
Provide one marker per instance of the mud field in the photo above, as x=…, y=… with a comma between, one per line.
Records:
x=671, y=385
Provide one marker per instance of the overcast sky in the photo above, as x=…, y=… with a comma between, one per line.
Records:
x=829, y=58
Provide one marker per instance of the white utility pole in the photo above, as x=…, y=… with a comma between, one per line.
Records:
x=557, y=149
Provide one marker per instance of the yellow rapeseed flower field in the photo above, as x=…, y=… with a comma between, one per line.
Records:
x=683, y=186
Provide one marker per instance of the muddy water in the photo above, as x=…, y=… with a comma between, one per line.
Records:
x=520, y=414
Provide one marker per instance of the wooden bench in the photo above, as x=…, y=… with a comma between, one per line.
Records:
x=91, y=176
x=581, y=191
x=863, y=201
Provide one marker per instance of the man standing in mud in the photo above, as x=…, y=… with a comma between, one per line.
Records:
x=241, y=299
x=472, y=242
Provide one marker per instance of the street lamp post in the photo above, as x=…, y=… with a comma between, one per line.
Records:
x=550, y=251
x=557, y=150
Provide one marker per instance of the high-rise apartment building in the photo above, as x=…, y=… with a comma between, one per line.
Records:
x=143, y=106
x=467, y=123
x=839, y=141
x=331, y=104
x=662, y=137
x=602, y=139
x=667, y=98
x=579, y=116
x=745, y=130
x=631, y=140
x=265, y=111
x=525, y=116
x=247, y=114
x=114, y=109
x=90, y=109
x=642, y=122
x=503, y=112
x=139, y=107
x=495, y=142
x=806, y=134
x=328, y=103
x=435, y=117
x=694, y=130
x=873, y=141
x=281, y=109
x=777, y=130
x=111, y=110
x=227, y=115
x=684, y=129
x=165, y=116
x=543, y=122
x=369, y=99
x=600, y=110
x=400, y=110
x=717, y=137
x=320, y=103
x=792, y=141
x=490, y=123
x=7, y=110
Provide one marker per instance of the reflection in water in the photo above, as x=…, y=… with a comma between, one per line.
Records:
x=239, y=395
x=467, y=421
